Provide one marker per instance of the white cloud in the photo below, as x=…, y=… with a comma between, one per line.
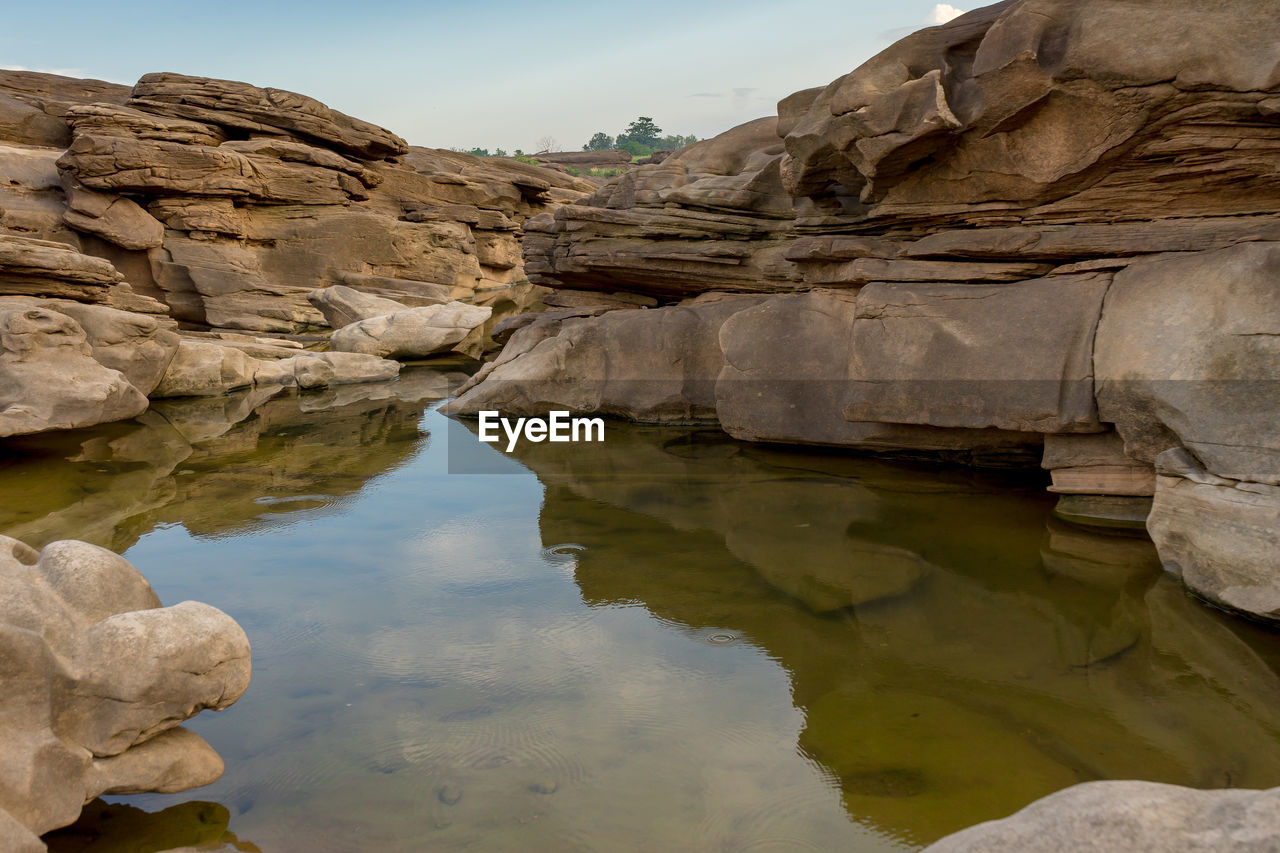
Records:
x=942, y=13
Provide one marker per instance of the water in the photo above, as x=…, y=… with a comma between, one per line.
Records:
x=669, y=641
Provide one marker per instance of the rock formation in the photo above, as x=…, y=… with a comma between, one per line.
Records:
x=1129, y=815
x=97, y=678
x=222, y=206
x=1044, y=227
x=411, y=333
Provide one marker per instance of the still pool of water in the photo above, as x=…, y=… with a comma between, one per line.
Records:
x=669, y=641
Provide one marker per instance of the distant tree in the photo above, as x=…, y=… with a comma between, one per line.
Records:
x=519, y=153
x=674, y=141
x=642, y=131
x=499, y=153
x=477, y=152
x=547, y=143
x=599, y=142
x=636, y=149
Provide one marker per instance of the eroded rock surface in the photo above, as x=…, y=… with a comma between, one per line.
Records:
x=50, y=378
x=412, y=332
x=1040, y=222
x=98, y=675
x=223, y=205
x=1130, y=815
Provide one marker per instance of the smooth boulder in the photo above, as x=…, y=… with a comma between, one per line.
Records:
x=49, y=378
x=1127, y=816
x=411, y=333
x=342, y=305
x=97, y=676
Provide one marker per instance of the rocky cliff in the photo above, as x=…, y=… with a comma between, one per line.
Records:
x=129, y=217
x=1047, y=227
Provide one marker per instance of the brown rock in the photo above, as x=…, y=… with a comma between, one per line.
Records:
x=98, y=675
x=50, y=377
x=412, y=332
x=656, y=366
x=1188, y=354
x=786, y=378
x=1015, y=357
x=1129, y=815
x=1095, y=465
x=239, y=105
x=117, y=220
x=342, y=306
x=201, y=369
x=1221, y=536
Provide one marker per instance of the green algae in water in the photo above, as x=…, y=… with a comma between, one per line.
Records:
x=670, y=640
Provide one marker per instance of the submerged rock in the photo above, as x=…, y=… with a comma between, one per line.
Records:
x=98, y=675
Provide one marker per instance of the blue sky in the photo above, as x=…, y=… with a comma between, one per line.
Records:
x=496, y=74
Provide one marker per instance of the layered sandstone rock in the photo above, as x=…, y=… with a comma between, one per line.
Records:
x=231, y=202
x=98, y=675
x=223, y=205
x=1041, y=222
x=265, y=195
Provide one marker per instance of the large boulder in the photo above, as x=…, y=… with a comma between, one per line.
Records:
x=1014, y=356
x=1221, y=536
x=787, y=377
x=324, y=370
x=1188, y=355
x=140, y=346
x=1119, y=817
x=115, y=219
x=202, y=369
x=50, y=378
x=411, y=333
x=656, y=366
x=342, y=305
x=98, y=676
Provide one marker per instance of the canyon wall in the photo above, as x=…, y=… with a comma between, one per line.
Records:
x=1047, y=228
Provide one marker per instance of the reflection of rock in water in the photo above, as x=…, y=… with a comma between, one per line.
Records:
x=972, y=653
x=118, y=828
x=207, y=462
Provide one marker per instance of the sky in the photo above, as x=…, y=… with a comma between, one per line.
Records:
x=487, y=74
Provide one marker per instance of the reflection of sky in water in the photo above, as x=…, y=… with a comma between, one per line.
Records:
x=669, y=643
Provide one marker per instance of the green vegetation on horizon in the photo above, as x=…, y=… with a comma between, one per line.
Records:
x=641, y=138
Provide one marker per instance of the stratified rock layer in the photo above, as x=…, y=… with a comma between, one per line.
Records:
x=231, y=202
x=1040, y=222
x=97, y=678
x=224, y=205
